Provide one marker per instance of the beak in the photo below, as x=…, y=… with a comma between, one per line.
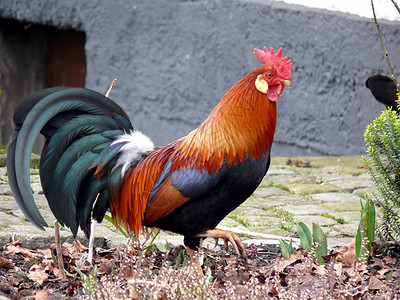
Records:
x=286, y=82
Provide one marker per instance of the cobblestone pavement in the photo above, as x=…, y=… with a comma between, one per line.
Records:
x=323, y=190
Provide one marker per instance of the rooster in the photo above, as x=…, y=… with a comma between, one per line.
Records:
x=384, y=90
x=94, y=160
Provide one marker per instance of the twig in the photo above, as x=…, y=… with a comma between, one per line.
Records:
x=395, y=5
x=257, y=234
x=383, y=46
x=60, y=261
x=111, y=86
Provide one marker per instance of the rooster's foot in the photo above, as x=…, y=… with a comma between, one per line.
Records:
x=226, y=235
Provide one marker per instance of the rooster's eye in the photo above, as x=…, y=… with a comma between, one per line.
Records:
x=269, y=75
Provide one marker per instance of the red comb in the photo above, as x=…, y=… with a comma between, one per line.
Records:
x=281, y=64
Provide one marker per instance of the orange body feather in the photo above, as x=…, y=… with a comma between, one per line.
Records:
x=241, y=125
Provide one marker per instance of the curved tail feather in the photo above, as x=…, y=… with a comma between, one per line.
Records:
x=78, y=125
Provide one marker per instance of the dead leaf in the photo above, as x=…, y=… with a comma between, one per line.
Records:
x=16, y=243
x=17, y=249
x=6, y=263
x=347, y=253
x=104, y=267
x=389, y=260
x=375, y=283
x=320, y=270
x=78, y=247
x=6, y=287
x=338, y=267
x=45, y=252
x=38, y=274
x=38, y=277
x=57, y=272
x=299, y=163
x=282, y=263
x=42, y=295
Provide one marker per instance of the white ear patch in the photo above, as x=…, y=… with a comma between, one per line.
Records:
x=261, y=84
x=136, y=146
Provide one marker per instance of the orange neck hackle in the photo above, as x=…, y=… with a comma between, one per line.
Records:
x=241, y=125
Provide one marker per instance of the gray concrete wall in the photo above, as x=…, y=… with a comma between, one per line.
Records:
x=174, y=60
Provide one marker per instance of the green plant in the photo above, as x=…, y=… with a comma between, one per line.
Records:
x=286, y=248
x=121, y=229
x=90, y=282
x=310, y=241
x=382, y=140
x=366, y=228
x=320, y=243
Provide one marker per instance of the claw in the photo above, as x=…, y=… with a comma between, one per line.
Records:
x=226, y=235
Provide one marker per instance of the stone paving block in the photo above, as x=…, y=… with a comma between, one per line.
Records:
x=350, y=184
x=273, y=229
x=306, y=188
x=310, y=219
x=280, y=170
x=274, y=201
x=351, y=217
x=229, y=222
x=339, y=202
x=288, y=179
x=348, y=230
x=336, y=197
x=364, y=191
x=5, y=189
x=308, y=209
x=268, y=191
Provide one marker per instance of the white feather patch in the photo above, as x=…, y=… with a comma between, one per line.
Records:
x=137, y=145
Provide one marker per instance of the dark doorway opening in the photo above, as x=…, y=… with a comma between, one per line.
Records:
x=66, y=59
x=33, y=57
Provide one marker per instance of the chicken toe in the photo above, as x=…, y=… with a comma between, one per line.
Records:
x=227, y=236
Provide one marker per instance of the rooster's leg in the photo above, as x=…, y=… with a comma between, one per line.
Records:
x=91, y=240
x=226, y=235
x=195, y=259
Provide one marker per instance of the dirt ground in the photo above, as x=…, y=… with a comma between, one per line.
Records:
x=130, y=273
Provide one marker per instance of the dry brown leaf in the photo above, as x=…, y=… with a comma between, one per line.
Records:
x=347, y=253
x=338, y=267
x=375, y=283
x=42, y=295
x=78, y=247
x=45, y=252
x=16, y=243
x=126, y=273
x=104, y=267
x=6, y=287
x=299, y=163
x=38, y=274
x=283, y=262
x=381, y=273
x=14, y=250
x=57, y=272
x=133, y=294
x=396, y=274
x=389, y=260
x=6, y=263
x=320, y=270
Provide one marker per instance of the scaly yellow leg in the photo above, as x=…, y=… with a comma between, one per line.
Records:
x=226, y=235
